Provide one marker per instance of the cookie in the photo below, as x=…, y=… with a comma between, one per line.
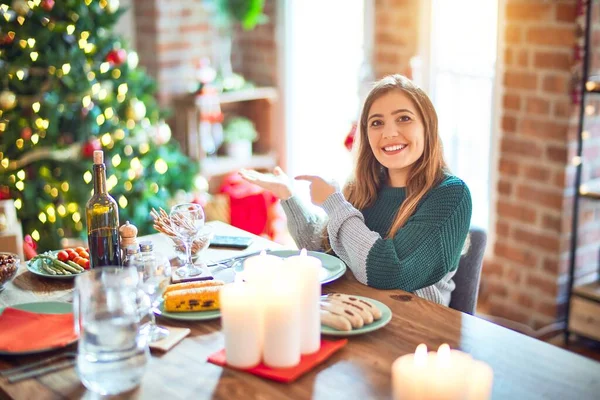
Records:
x=355, y=300
x=335, y=321
x=345, y=311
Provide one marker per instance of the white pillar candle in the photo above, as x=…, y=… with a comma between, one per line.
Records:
x=281, y=322
x=446, y=375
x=306, y=271
x=241, y=321
x=261, y=269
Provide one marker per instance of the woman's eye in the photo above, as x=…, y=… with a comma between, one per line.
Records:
x=404, y=118
x=376, y=123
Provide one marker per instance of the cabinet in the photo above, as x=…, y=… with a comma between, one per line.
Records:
x=583, y=313
x=259, y=105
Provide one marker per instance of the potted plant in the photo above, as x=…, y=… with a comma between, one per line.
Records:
x=238, y=135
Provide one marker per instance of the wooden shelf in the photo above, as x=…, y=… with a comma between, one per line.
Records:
x=590, y=189
x=213, y=166
x=589, y=291
x=257, y=93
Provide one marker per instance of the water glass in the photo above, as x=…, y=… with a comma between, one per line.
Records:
x=187, y=220
x=112, y=352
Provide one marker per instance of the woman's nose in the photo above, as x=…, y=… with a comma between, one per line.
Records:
x=390, y=131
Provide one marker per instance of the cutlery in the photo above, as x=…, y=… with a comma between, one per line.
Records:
x=24, y=367
x=229, y=262
x=41, y=371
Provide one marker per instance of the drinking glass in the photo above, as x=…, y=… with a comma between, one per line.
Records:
x=187, y=220
x=112, y=352
x=155, y=276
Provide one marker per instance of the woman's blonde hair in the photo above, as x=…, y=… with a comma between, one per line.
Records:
x=369, y=175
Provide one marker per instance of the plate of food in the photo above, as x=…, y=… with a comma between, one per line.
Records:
x=332, y=269
x=60, y=264
x=350, y=315
x=191, y=301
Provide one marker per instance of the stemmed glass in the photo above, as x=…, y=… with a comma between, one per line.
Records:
x=155, y=276
x=187, y=220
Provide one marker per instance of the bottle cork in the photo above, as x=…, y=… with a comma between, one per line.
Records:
x=98, y=157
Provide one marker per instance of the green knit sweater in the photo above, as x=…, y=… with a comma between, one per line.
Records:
x=422, y=256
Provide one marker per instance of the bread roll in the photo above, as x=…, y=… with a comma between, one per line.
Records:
x=355, y=300
x=345, y=311
x=335, y=321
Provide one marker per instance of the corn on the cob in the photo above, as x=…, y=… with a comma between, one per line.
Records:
x=197, y=299
x=193, y=285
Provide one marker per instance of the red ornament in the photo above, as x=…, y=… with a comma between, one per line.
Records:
x=47, y=5
x=350, y=137
x=116, y=57
x=29, y=247
x=4, y=193
x=26, y=133
x=88, y=149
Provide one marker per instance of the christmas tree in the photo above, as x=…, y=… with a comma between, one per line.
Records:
x=69, y=86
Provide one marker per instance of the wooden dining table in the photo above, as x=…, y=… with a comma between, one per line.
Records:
x=524, y=367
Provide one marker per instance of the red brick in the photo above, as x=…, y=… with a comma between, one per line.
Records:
x=563, y=109
x=517, y=212
x=511, y=102
x=389, y=39
x=518, y=147
x=509, y=124
x=537, y=173
x=551, y=36
x=513, y=313
x=491, y=268
x=520, y=80
x=539, y=240
x=552, y=60
x=566, y=12
x=513, y=275
x=540, y=196
x=386, y=57
x=549, y=309
x=544, y=284
x=535, y=105
x=559, y=179
x=551, y=266
x=508, y=57
x=513, y=34
x=519, y=11
x=504, y=187
x=508, y=167
x=502, y=228
x=555, y=84
x=496, y=288
x=557, y=154
x=551, y=223
x=516, y=254
x=525, y=300
x=523, y=59
x=544, y=129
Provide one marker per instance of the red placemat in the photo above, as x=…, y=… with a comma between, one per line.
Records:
x=286, y=375
x=28, y=331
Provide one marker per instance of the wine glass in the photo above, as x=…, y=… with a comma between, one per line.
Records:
x=187, y=220
x=155, y=276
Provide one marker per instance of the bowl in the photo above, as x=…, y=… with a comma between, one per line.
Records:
x=9, y=264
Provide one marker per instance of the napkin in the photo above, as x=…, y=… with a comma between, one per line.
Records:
x=28, y=331
x=287, y=375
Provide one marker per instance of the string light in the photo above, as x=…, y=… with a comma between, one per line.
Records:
x=105, y=139
x=33, y=55
x=65, y=186
x=111, y=182
x=131, y=174
x=50, y=210
x=85, y=35
x=86, y=101
x=95, y=88
x=116, y=73
x=82, y=42
x=91, y=76
x=76, y=217
x=120, y=98
x=130, y=124
x=4, y=162
x=66, y=68
x=12, y=178
x=54, y=192
x=100, y=120
x=72, y=207
x=36, y=106
x=52, y=69
x=19, y=143
x=116, y=160
x=35, y=138
x=135, y=163
x=128, y=186
x=104, y=67
x=102, y=94
x=20, y=74
x=21, y=20
x=42, y=217
x=122, y=89
x=61, y=232
x=87, y=2
x=61, y=210
x=35, y=235
x=70, y=29
x=31, y=42
x=119, y=134
x=20, y=185
x=154, y=187
x=21, y=175
x=128, y=150
x=87, y=177
x=144, y=148
x=47, y=188
x=18, y=204
x=123, y=201
x=52, y=218
x=89, y=48
x=2, y=126
x=161, y=166
x=79, y=226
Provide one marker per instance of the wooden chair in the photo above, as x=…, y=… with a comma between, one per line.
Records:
x=467, y=277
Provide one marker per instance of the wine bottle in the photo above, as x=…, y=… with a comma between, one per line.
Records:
x=102, y=216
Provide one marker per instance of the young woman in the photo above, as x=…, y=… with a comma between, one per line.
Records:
x=402, y=220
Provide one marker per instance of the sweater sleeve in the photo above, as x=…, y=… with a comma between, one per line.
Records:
x=421, y=253
x=305, y=225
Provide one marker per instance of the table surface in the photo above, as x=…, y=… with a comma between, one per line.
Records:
x=524, y=368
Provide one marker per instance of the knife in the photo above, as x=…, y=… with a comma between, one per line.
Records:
x=229, y=261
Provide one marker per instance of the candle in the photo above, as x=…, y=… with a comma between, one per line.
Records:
x=306, y=271
x=241, y=321
x=261, y=269
x=446, y=375
x=281, y=322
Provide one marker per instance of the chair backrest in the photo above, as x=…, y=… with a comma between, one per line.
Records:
x=464, y=296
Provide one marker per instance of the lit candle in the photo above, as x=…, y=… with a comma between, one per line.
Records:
x=306, y=271
x=241, y=322
x=281, y=322
x=446, y=375
x=261, y=269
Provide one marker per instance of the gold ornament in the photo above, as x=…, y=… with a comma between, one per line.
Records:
x=136, y=110
x=8, y=100
x=20, y=6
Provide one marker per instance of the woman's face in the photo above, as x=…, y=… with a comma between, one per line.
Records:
x=396, y=134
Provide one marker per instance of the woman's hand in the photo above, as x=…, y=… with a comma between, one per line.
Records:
x=277, y=183
x=320, y=189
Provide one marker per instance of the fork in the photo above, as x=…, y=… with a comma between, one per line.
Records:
x=21, y=372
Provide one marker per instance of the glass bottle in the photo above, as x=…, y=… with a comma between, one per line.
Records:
x=102, y=217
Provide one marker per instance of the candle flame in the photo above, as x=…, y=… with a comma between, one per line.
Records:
x=443, y=355
x=303, y=252
x=421, y=355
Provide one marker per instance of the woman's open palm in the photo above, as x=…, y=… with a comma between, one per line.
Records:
x=277, y=183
